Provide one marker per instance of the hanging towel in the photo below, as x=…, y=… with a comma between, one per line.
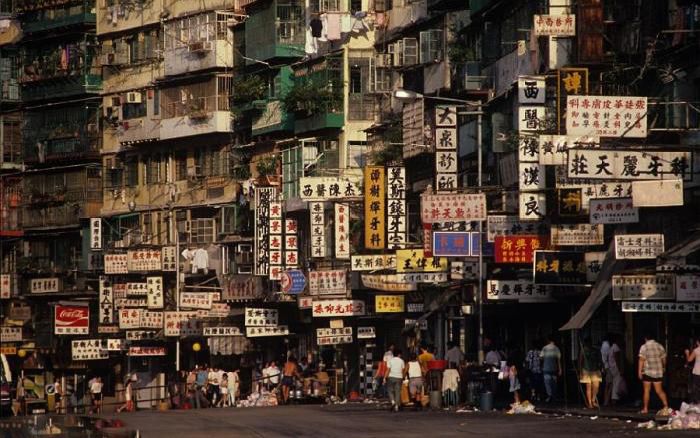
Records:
x=311, y=45
x=345, y=23
x=324, y=28
x=333, y=27
x=200, y=259
x=450, y=380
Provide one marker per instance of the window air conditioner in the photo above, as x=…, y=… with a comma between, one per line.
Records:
x=133, y=97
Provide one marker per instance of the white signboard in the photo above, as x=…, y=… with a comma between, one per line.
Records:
x=342, y=231
x=332, y=282
x=638, y=246
x=130, y=318
x=264, y=196
x=323, y=188
x=533, y=206
x=276, y=240
x=451, y=207
x=577, y=234
x=646, y=306
x=531, y=89
x=5, y=286
x=291, y=244
x=136, y=289
x=258, y=332
x=337, y=308
x=327, y=332
x=169, y=258
x=256, y=317
x=528, y=149
x=10, y=334
x=601, y=190
x=144, y=260
x=532, y=177
x=607, y=116
x=522, y=291
x=151, y=319
x=643, y=287
x=116, y=344
x=532, y=118
x=154, y=297
x=221, y=331
x=613, y=211
x=372, y=262
x=95, y=233
x=594, y=264
x=335, y=340
x=139, y=335
x=688, y=287
x=553, y=148
x=196, y=300
x=116, y=264
x=44, y=285
x=663, y=193
x=366, y=333
x=397, y=214
x=89, y=349
x=106, y=297
x=510, y=225
x=422, y=277
x=318, y=229
x=387, y=282
x=611, y=164
x=559, y=25
x=181, y=324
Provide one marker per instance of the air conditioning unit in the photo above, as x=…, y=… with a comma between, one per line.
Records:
x=133, y=97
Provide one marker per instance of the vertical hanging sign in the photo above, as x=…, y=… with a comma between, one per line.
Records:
x=95, y=233
x=342, y=229
x=374, y=207
x=275, y=238
x=318, y=230
x=106, y=301
x=446, y=143
x=291, y=244
x=261, y=244
x=396, y=207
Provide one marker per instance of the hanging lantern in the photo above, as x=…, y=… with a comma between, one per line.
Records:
x=22, y=353
x=196, y=347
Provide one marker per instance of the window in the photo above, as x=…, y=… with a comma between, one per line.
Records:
x=357, y=151
x=202, y=231
x=292, y=170
x=180, y=166
x=320, y=6
x=153, y=171
x=131, y=172
x=135, y=110
x=146, y=229
x=156, y=102
x=360, y=102
x=431, y=46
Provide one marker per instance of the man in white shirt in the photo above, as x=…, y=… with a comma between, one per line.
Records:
x=454, y=355
x=274, y=373
x=396, y=368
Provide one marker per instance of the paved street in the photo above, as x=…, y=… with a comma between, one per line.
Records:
x=365, y=421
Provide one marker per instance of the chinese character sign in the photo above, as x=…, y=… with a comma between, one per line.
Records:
x=560, y=25
x=688, y=287
x=389, y=303
x=116, y=263
x=333, y=282
x=387, y=283
x=560, y=268
x=607, y=116
x=444, y=207
x=5, y=286
x=169, y=258
x=629, y=165
x=71, y=320
x=291, y=243
x=144, y=260
x=519, y=290
x=89, y=349
x=553, y=148
x=638, y=246
x=154, y=292
x=643, y=287
x=264, y=196
x=95, y=233
x=446, y=146
x=317, y=188
x=529, y=149
x=318, y=229
x=196, y=300
x=260, y=317
x=502, y=225
x=106, y=297
x=372, y=262
x=374, y=207
x=613, y=211
x=531, y=89
x=396, y=207
x=342, y=231
x=570, y=202
x=577, y=234
x=414, y=260
x=452, y=244
x=258, y=332
x=44, y=285
x=533, y=206
x=517, y=249
x=337, y=308
x=276, y=240
x=531, y=177
x=647, y=306
x=532, y=118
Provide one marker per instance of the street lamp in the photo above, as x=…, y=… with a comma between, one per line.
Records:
x=132, y=207
x=408, y=95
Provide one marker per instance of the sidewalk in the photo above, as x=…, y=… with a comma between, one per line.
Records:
x=619, y=412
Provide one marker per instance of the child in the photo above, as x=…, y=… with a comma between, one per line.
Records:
x=225, y=401
x=514, y=383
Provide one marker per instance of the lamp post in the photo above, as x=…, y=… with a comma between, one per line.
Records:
x=173, y=226
x=407, y=95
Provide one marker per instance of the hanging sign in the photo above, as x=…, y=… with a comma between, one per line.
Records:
x=531, y=90
x=613, y=211
x=332, y=282
x=5, y=286
x=560, y=268
x=221, y=331
x=196, y=300
x=532, y=206
x=240, y=288
x=389, y=303
x=182, y=323
x=560, y=25
x=71, y=320
x=607, y=116
x=517, y=290
x=396, y=207
x=611, y=164
x=89, y=349
x=144, y=260
x=168, y=255
x=594, y=263
x=342, y=231
x=45, y=285
x=129, y=318
x=374, y=207
x=264, y=196
x=664, y=193
x=116, y=263
x=10, y=334
x=140, y=335
x=554, y=148
x=603, y=190
x=517, y=249
x=688, y=287
x=154, y=297
x=643, y=287
x=387, y=283
x=95, y=233
x=259, y=332
x=532, y=118
x=502, y=225
x=570, y=202
x=138, y=350
x=276, y=240
x=452, y=244
x=528, y=149
x=366, y=333
x=318, y=229
x=372, y=262
x=259, y=317
x=414, y=260
x=136, y=289
x=335, y=340
x=116, y=344
x=291, y=244
x=445, y=207
x=638, y=246
x=293, y=282
x=446, y=143
x=577, y=234
x=646, y=306
x=532, y=177
x=338, y=308
x=322, y=188
x=422, y=277
x=106, y=299
x=151, y=319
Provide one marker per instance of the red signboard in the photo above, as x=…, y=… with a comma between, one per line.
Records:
x=71, y=320
x=517, y=249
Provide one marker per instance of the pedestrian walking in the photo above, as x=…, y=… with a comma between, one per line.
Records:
x=607, y=380
x=289, y=373
x=128, y=395
x=694, y=357
x=615, y=365
x=590, y=365
x=394, y=379
x=223, y=388
x=96, y=393
x=415, y=380
x=533, y=365
x=454, y=355
x=551, y=368
x=514, y=381
x=650, y=370
x=233, y=382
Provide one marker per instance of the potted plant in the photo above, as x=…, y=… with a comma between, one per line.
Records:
x=267, y=168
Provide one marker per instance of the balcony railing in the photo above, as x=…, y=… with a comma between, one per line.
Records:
x=69, y=14
x=284, y=40
x=197, y=107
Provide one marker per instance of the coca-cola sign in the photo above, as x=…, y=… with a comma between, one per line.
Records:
x=71, y=320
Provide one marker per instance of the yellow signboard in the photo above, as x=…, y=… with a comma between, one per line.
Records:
x=8, y=350
x=374, y=207
x=414, y=260
x=389, y=303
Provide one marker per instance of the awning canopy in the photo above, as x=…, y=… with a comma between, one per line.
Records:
x=599, y=291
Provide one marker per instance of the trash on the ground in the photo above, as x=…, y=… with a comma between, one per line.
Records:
x=263, y=398
x=686, y=418
x=651, y=424
x=522, y=408
x=465, y=410
x=595, y=417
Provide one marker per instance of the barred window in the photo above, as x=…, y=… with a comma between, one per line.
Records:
x=201, y=230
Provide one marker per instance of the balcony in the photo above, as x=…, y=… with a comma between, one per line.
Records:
x=10, y=212
x=12, y=142
x=9, y=81
x=72, y=13
x=62, y=134
x=277, y=32
x=198, y=42
x=317, y=95
x=272, y=118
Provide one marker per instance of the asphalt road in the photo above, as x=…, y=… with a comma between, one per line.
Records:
x=365, y=421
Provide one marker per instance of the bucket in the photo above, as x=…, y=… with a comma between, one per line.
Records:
x=486, y=401
x=435, y=399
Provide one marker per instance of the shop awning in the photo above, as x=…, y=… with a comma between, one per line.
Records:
x=599, y=291
x=683, y=249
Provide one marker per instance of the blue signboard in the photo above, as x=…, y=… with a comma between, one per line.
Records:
x=451, y=244
x=293, y=282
